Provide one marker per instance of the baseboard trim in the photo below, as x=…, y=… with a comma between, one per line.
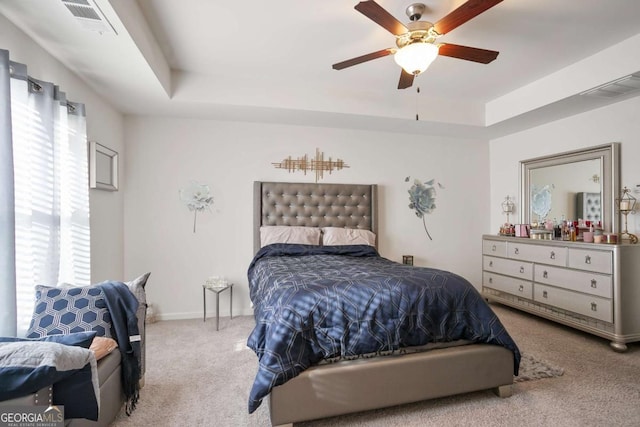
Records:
x=198, y=315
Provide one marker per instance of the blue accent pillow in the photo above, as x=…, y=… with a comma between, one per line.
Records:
x=80, y=339
x=68, y=310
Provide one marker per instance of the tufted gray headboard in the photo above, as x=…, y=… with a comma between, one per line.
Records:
x=313, y=205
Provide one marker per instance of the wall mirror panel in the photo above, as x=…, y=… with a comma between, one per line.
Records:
x=103, y=167
x=581, y=184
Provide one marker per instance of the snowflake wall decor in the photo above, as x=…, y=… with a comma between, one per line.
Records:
x=197, y=197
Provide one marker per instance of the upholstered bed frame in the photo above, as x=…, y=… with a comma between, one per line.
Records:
x=353, y=386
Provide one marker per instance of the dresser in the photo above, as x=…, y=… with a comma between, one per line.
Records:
x=589, y=286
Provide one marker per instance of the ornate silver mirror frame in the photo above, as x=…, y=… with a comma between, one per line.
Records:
x=538, y=171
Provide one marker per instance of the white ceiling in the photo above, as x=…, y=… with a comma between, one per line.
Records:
x=271, y=61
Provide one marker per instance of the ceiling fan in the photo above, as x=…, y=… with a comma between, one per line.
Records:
x=416, y=41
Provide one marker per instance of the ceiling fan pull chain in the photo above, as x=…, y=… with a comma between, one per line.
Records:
x=417, y=92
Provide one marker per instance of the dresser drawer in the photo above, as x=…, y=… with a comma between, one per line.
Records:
x=493, y=247
x=521, y=288
x=553, y=255
x=581, y=281
x=509, y=267
x=587, y=305
x=592, y=260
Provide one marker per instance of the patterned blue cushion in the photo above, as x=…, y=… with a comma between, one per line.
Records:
x=80, y=339
x=68, y=310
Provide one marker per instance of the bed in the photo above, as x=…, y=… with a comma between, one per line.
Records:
x=308, y=370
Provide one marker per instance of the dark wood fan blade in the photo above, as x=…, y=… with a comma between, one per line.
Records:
x=465, y=12
x=377, y=14
x=406, y=80
x=363, y=58
x=483, y=56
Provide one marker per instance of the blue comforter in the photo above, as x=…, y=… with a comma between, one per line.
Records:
x=318, y=302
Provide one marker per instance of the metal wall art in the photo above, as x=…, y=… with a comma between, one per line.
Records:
x=197, y=197
x=318, y=164
x=422, y=199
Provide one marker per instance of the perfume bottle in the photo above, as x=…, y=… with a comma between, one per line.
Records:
x=565, y=230
x=572, y=232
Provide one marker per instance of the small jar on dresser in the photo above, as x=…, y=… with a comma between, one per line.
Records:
x=588, y=286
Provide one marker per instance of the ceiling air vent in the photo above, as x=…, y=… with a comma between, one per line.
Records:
x=89, y=15
x=622, y=86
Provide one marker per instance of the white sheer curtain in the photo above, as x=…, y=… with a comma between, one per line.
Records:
x=7, y=213
x=51, y=192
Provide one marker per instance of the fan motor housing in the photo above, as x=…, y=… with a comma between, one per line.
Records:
x=419, y=32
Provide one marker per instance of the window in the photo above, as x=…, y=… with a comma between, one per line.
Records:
x=51, y=239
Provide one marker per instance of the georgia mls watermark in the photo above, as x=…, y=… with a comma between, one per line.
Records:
x=32, y=416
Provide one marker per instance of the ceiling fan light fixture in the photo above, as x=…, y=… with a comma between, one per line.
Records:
x=415, y=58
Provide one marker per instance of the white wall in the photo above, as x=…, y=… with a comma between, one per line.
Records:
x=104, y=124
x=144, y=226
x=164, y=154
x=614, y=123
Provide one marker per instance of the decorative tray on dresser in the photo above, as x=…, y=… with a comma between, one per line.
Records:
x=594, y=287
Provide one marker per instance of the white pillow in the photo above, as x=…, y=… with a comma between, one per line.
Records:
x=336, y=236
x=289, y=234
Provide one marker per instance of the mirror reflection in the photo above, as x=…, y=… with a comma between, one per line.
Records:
x=574, y=185
x=569, y=191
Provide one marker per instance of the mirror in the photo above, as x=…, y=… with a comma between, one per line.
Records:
x=581, y=184
x=103, y=167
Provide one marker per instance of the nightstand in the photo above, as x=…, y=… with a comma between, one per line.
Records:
x=217, y=289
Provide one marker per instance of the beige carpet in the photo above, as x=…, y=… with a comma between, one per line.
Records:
x=199, y=377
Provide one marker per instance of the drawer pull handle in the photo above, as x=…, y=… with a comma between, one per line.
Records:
x=587, y=259
x=553, y=255
x=545, y=274
x=594, y=283
x=594, y=306
x=544, y=294
x=521, y=269
x=516, y=251
x=490, y=263
x=521, y=288
x=493, y=248
x=490, y=279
